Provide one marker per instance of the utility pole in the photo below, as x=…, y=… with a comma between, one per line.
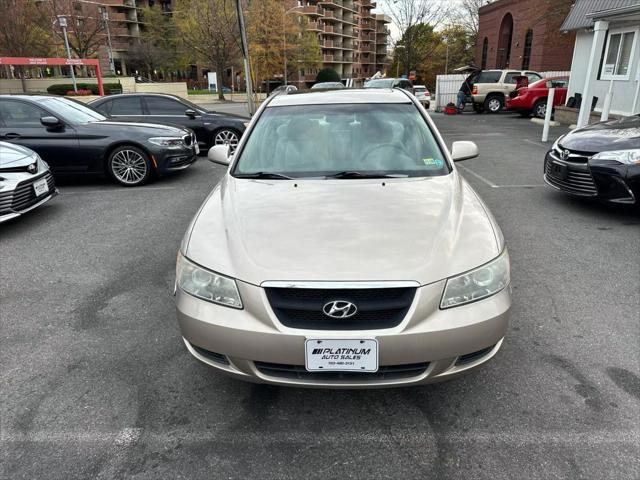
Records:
x=105, y=19
x=245, y=54
x=62, y=21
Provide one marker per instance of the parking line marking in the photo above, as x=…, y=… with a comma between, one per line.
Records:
x=115, y=190
x=131, y=436
x=478, y=176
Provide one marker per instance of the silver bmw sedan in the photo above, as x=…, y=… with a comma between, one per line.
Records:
x=342, y=249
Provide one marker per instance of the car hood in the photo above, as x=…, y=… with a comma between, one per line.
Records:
x=422, y=229
x=619, y=134
x=138, y=127
x=15, y=156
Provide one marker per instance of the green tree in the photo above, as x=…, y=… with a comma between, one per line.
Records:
x=327, y=75
x=209, y=29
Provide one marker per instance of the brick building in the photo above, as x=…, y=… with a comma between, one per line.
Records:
x=524, y=34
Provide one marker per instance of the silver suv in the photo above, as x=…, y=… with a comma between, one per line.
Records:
x=491, y=88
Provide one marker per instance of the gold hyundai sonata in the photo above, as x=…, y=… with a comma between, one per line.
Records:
x=342, y=249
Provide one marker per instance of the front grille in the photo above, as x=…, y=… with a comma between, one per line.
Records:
x=298, y=372
x=24, y=195
x=574, y=156
x=578, y=182
x=376, y=307
x=6, y=198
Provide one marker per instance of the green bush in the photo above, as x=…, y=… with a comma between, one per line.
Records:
x=63, y=88
x=327, y=75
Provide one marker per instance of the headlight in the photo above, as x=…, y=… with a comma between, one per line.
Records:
x=482, y=282
x=627, y=157
x=206, y=284
x=169, y=142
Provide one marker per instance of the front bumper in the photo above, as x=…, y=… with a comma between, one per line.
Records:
x=251, y=344
x=603, y=179
x=22, y=199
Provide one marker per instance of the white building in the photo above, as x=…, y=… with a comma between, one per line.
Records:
x=606, y=56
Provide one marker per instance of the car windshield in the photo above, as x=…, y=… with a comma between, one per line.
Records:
x=382, y=83
x=344, y=140
x=72, y=111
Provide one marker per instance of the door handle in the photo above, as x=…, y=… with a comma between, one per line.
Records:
x=12, y=135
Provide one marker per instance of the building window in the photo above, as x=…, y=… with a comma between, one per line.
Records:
x=619, y=51
x=526, y=54
x=485, y=51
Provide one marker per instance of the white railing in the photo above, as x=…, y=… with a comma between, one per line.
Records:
x=447, y=86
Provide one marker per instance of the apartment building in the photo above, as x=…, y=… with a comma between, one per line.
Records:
x=353, y=38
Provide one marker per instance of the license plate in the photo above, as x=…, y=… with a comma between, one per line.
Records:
x=197, y=148
x=330, y=355
x=40, y=187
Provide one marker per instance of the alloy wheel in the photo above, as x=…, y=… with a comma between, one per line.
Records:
x=541, y=110
x=227, y=137
x=129, y=167
x=494, y=105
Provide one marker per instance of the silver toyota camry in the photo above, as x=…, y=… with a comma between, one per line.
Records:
x=25, y=181
x=342, y=249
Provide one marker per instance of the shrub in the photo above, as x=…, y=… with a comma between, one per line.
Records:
x=79, y=93
x=64, y=88
x=327, y=75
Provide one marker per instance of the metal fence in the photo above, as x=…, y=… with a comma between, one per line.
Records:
x=447, y=86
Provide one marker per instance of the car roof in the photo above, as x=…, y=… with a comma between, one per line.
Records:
x=137, y=94
x=347, y=95
x=34, y=97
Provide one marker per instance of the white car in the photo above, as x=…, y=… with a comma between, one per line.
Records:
x=342, y=249
x=25, y=181
x=423, y=95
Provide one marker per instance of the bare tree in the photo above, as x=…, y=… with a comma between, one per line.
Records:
x=466, y=15
x=24, y=31
x=86, y=29
x=406, y=14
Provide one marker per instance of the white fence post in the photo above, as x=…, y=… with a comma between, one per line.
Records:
x=547, y=115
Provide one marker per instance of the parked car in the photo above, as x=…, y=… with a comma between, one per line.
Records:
x=211, y=128
x=599, y=161
x=390, y=83
x=533, y=98
x=25, y=181
x=491, y=88
x=423, y=95
x=76, y=139
x=344, y=251
x=328, y=86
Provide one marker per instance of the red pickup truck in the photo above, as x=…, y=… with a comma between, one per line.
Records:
x=532, y=99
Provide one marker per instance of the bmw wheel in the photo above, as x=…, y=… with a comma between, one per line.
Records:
x=129, y=166
x=227, y=136
x=494, y=103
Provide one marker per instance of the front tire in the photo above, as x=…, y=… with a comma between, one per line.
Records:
x=494, y=103
x=129, y=166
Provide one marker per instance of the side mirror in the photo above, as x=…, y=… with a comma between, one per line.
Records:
x=50, y=122
x=219, y=154
x=463, y=150
x=190, y=113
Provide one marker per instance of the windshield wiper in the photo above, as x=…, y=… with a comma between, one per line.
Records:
x=356, y=174
x=269, y=175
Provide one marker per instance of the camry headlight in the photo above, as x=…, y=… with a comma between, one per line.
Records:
x=169, y=142
x=206, y=284
x=627, y=157
x=479, y=283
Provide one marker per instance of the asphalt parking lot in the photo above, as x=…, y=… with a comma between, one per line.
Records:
x=96, y=382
